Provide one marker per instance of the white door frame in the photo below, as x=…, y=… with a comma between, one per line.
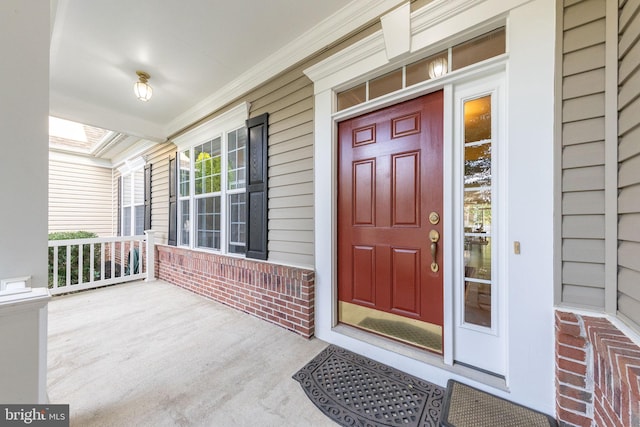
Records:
x=482, y=348
x=474, y=77
x=339, y=77
x=529, y=67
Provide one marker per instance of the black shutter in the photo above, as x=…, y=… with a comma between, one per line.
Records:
x=147, y=197
x=257, y=135
x=119, y=221
x=173, y=201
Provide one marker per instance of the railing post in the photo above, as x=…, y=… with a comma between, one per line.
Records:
x=151, y=256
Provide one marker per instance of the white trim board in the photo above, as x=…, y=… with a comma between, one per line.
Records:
x=80, y=159
x=224, y=122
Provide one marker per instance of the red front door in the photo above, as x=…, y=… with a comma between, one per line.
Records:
x=390, y=185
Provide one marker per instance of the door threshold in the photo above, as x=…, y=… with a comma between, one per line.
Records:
x=420, y=355
x=407, y=330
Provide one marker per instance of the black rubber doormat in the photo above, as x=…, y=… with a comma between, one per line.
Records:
x=466, y=406
x=353, y=390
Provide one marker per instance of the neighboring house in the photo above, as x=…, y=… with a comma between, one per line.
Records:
x=95, y=184
x=80, y=196
x=453, y=191
x=80, y=185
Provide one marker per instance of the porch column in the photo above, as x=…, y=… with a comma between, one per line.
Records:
x=151, y=255
x=24, y=91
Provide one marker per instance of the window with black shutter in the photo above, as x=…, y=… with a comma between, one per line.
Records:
x=173, y=202
x=257, y=179
x=218, y=185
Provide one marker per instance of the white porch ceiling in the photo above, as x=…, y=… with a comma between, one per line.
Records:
x=193, y=50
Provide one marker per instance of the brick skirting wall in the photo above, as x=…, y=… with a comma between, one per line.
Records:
x=597, y=373
x=276, y=293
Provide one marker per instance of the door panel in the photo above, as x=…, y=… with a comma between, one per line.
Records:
x=390, y=179
x=364, y=194
x=406, y=187
x=408, y=125
x=364, y=274
x=364, y=135
x=406, y=282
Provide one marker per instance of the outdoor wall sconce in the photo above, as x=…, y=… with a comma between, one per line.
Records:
x=141, y=88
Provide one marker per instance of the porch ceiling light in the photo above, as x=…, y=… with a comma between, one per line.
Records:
x=141, y=88
x=437, y=67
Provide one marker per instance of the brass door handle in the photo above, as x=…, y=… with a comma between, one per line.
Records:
x=434, y=236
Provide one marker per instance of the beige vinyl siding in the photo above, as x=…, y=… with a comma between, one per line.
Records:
x=289, y=102
x=114, y=194
x=583, y=157
x=288, y=98
x=583, y=130
x=80, y=198
x=158, y=157
x=629, y=161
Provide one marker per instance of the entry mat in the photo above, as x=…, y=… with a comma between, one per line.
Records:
x=353, y=390
x=466, y=406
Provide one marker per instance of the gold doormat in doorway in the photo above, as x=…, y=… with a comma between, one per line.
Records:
x=466, y=406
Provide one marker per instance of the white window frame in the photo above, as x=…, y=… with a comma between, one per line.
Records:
x=128, y=171
x=218, y=127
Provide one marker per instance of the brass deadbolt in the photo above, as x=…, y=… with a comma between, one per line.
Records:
x=434, y=218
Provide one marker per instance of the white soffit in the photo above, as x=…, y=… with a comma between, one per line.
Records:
x=353, y=16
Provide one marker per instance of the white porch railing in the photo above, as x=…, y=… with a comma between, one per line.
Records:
x=79, y=264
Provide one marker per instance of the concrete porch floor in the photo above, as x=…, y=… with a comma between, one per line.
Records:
x=153, y=354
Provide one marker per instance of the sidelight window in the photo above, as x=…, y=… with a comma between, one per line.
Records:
x=477, y=210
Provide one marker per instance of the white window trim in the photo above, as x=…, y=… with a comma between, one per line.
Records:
x=128, y=170
x=220, y=126
x=227, y=121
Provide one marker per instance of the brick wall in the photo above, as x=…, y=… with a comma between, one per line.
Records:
x=597, y=373
x=276, y=293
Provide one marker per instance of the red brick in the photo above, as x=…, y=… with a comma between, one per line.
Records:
x=572, y=353
x=573, y=418
x=233, y=282
x=569, y=329
x=572, y=405
x=626, y=355
x=597, y=333
x=562, y=316
x=286, y=324
x=610, y=417
x=571, y=378
x=633, y=378
x=575, y=393
x=571, y=366
x=598, y=419
x=571, y=340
